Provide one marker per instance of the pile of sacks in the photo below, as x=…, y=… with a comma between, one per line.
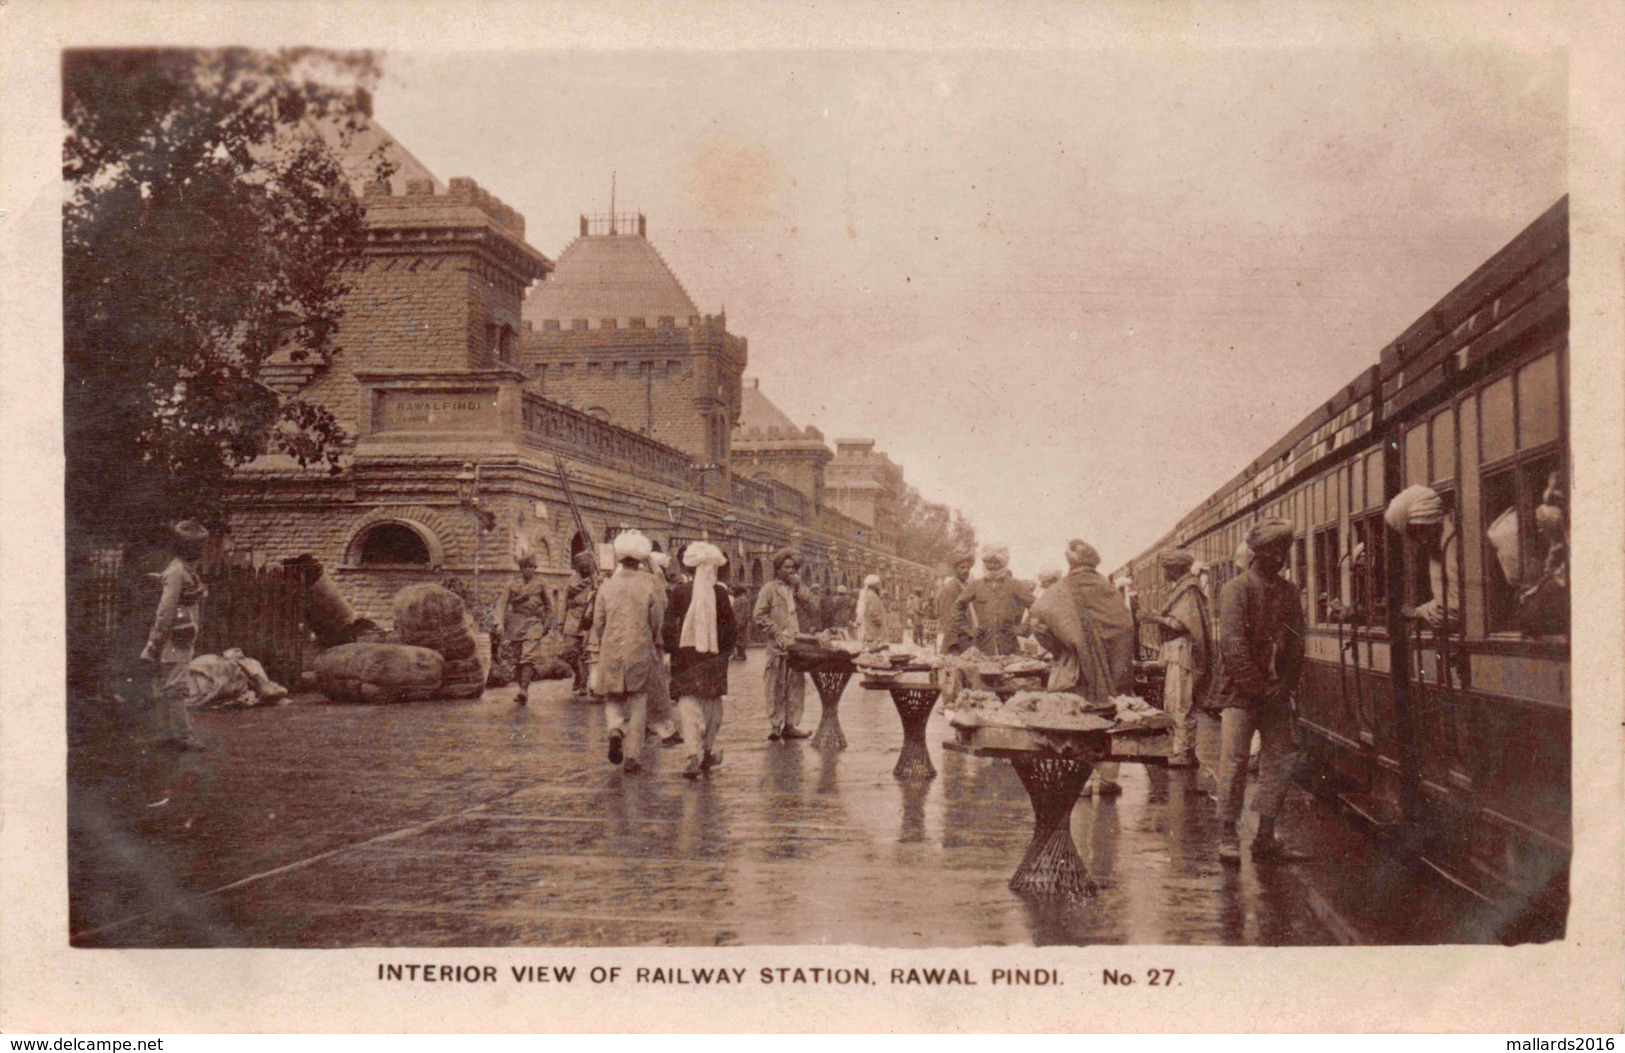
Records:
x=433, y=654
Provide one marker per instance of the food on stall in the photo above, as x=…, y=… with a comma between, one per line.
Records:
x=1053, y=710
x=1018, y=665
x=1130, y=711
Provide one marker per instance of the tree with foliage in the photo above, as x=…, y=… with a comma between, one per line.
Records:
x=930, y=533
x=208, y=225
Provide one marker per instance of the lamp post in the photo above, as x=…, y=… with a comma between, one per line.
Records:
x=468, y=495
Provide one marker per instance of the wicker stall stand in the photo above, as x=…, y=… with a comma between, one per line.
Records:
x=914, y=696
x=1053, y=765
x=830, y=670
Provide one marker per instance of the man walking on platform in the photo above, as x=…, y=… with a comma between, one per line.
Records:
x=1082, y=621
x=777, y=620
x=1261, y=639
x=578, y=616
x=1187, y=642
x=741, y=612
x=950, y=634
x=627, y=618
x=699, y=634
x=525, y=615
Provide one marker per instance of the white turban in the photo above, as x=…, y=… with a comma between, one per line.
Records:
x=998, y=552
x=873, y=579
x=1049, y=576
x=703, y=553
x=632, y=544
x=659, y=560
x=700, y=620
x=1243, y=557
x=1414, y=506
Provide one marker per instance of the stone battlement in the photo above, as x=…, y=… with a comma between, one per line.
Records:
x=420, y=197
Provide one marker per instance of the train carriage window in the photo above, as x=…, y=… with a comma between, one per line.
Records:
x=1526, y=560
x=1538, y=403
x=1444, y=446
x=1495, y=439
x=1300, y=570
x=1370, y=596
x=1328, y=574
x=1418, y=579
x=1357, y=485
x=1416, y=455
x=1373, y=479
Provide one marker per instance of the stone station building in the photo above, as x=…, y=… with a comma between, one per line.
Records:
x=466, y=401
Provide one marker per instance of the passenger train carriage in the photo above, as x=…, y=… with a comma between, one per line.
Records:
x=1452, y=745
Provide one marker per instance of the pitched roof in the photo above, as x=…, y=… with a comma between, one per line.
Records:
x=756, y=410
x=366, y=146
x=616, y=276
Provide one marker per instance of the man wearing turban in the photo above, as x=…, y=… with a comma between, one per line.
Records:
x=1418, y=514
x=627, y=618
x=1261, y=638
x=991, y=608
x=662, y=722
x=578, y=614
x=871, y=616
x=699, y=635
x=1083, y=621
x=1187, y=639
x=525, y=615
x=777, y=620
x=951, y=637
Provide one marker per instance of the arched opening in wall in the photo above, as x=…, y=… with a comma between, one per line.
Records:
x=756, y=572
x=393, y=543
x=579, y=544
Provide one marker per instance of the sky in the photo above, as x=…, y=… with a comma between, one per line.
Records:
x=1071, y=293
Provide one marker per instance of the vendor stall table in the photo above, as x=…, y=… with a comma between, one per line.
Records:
x=914, y=703
x=1053, y=766
x=830, y=670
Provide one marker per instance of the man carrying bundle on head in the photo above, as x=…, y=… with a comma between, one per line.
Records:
x=699, y=634
x=1187, y=642
x=1082, y=621
x=627, y=617
x=777, y=620
x=991, y=608
x=1261, y=639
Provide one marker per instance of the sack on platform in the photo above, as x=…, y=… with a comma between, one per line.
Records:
x=426, y=609
x=379, y=672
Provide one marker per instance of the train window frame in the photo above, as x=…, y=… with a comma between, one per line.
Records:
x=1369, y=585
x=1328, y=571
x=1525, y=473
x=1416, y=569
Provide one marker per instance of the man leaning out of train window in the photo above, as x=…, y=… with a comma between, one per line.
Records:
x=1418, y=514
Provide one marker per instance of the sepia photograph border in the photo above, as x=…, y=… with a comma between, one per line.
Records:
x=1577, y=984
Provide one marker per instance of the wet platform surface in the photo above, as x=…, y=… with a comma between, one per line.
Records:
x=487, y=824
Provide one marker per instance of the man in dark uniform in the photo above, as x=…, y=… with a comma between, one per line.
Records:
x=950, y=633
x=1261, y=638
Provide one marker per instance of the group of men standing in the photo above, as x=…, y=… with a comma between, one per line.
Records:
x=1246, y=670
